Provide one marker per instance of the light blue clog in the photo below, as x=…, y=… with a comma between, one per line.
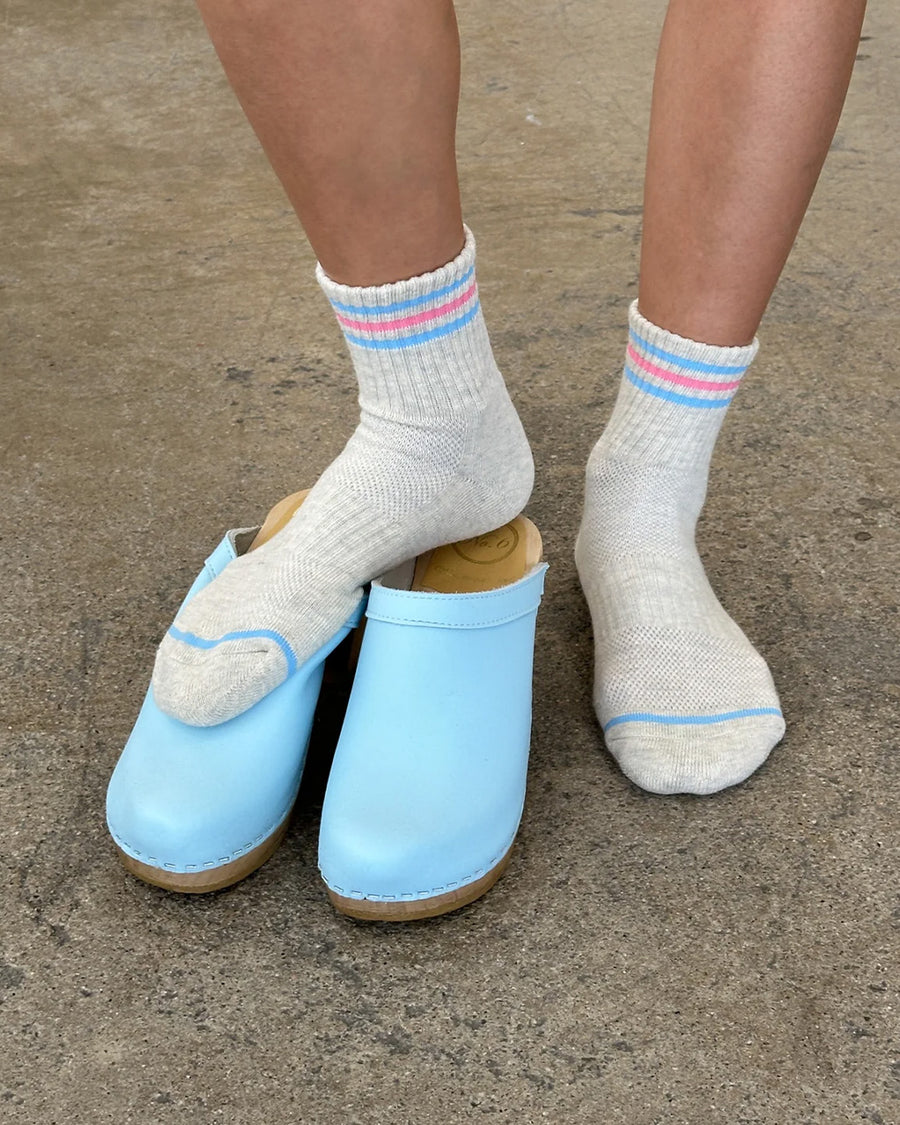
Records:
x=427, y=786
x=196, y=809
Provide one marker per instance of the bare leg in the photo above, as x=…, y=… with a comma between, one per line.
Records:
x=745, y=103
x=746, y=100
x=354, y=102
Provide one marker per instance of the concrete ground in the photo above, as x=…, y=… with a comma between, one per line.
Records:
x=169, y=370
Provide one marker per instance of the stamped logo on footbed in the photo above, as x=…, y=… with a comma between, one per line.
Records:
x=490, y=548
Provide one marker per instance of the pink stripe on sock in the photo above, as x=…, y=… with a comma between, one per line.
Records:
x=682, y=380
x=407, y=321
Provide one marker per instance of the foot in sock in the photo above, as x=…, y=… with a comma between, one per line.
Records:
x=687, y=705
x=439, y=455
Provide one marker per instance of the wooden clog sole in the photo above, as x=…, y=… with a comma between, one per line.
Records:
x=412, y=910
x=210, y=879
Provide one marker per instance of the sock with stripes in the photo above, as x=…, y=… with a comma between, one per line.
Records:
x=687, y=705
x=439, y=455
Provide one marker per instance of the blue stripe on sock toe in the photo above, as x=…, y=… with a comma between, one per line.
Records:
x=241, y=635
x=689, y=720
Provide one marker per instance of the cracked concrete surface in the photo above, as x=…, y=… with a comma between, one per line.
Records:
x=169, y=370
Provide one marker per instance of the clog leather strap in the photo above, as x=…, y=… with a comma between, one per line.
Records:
x=458, y=611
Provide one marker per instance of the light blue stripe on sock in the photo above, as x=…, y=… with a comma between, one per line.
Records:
x=399, y=306
x=242, y=635
x=419, y=337
x=689, y=720
x=687, y=364
x=674, y=396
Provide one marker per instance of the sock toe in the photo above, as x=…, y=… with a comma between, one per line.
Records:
x=693, y=759
x=204, y=687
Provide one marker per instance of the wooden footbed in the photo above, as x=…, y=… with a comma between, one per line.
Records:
x=485, y=562
x=278, y=517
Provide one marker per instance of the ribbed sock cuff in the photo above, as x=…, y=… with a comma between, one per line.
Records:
x=404, y=314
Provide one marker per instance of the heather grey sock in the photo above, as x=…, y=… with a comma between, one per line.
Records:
x=439, y=455
x=687, y=705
